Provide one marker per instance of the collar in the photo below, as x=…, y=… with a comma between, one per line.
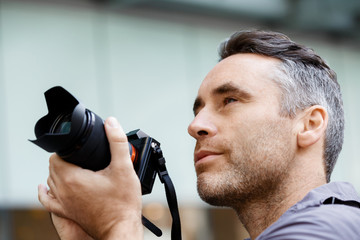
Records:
x=316, y=197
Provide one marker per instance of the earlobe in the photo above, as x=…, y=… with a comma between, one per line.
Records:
x=314, y=123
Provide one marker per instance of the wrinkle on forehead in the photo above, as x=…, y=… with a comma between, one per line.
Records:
x=245, y=69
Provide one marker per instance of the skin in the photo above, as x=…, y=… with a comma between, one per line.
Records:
x=101, y=205
x=68, y=229
x=247, y=156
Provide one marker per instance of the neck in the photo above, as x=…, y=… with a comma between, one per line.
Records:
x=259, y=214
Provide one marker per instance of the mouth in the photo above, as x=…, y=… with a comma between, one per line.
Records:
x=203, y=155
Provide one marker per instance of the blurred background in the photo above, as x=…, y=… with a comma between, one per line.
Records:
x=142, y=61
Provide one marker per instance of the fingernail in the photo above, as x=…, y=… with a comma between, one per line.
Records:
x=112, y=122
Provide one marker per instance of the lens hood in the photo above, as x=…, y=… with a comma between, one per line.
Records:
x=85, y=144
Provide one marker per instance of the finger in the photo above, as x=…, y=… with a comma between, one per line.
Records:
x=119, y=147
x=59, y=169
x=54, y=163
x=52, y=188
x=49, y=202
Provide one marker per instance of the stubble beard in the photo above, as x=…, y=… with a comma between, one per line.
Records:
x=256, y=168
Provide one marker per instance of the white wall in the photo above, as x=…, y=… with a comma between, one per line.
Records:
x=143, y=70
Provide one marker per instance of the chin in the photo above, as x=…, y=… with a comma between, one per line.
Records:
x=216, y=192
x=209, y=197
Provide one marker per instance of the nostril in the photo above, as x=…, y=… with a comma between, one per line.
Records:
x=202, y=133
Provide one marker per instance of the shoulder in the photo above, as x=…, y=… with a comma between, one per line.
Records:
x=321, y=222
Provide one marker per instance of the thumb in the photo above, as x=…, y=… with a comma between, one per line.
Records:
x=119, y=147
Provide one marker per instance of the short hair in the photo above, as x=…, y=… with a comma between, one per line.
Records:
x=304, y=79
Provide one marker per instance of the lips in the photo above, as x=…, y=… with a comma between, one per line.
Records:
x=204, y=154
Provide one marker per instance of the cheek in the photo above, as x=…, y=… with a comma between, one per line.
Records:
x=260, y=140
x=240, y=134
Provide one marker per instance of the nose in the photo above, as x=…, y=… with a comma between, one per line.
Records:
x=202, y=126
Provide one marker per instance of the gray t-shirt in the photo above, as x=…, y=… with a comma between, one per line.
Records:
x=311, y=218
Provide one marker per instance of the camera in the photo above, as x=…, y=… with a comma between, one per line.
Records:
x=78, y=136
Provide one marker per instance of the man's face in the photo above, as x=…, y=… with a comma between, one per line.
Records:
x=244, y=148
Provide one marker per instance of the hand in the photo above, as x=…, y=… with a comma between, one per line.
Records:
x=69, y=230
x=106, y=203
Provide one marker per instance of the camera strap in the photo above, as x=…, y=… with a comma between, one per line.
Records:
x=334, y=200
x=149, y=225
x=173, y=206
x=170, y=195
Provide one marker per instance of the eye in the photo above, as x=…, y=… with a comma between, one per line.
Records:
x=229, y=100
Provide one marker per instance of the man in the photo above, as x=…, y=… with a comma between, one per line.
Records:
x=268, y=127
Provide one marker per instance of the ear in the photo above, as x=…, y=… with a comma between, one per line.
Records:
x=313, y=126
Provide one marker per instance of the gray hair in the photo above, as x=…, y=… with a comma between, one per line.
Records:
x=304, y=78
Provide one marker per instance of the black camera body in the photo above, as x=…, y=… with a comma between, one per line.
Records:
x=78, y=136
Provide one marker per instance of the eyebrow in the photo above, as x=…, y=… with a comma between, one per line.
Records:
x=197, y=104
x=226, y=88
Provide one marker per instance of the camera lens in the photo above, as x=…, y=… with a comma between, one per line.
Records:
x=62, y=124
x=75, y=133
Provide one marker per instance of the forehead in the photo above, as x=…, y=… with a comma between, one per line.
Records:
x=251, y=72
